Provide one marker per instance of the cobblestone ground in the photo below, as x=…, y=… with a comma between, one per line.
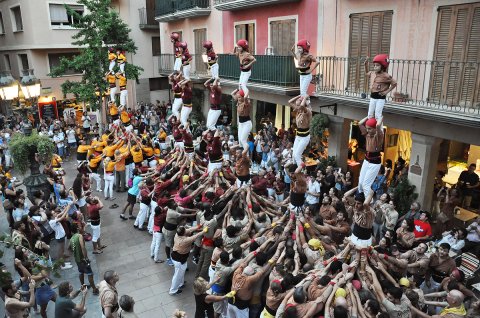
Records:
x=128, y=253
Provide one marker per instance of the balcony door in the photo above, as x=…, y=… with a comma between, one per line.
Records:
x=282, y=36
x=246, y=31
x=370, y=34
x=455, y=72
x=200, y=35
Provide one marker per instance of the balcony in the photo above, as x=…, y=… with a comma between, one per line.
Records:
x=271, y=73
x=446, y=91
x=147, y=19
x=232, y=5
x=198, y=69
x=171, y=10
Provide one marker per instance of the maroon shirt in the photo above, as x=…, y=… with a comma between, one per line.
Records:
x=211, y=57
x=214, y=149
x=177, y=89
x=187, y=94
x=177, y=134
x=187, y=140
x=176, y=48
x=215, y=96
x=185, y=57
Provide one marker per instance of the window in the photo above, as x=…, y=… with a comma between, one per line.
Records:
x=369, y=35
x=282, y=36
x=455, y=76
x=8, y=65
x=2, y=27
x=156, y=46
x=23, y=58
x=54, y=61
x=158, y=83
x=59, y=15
x=247, y=32
x=199, y=36
x=17, y=19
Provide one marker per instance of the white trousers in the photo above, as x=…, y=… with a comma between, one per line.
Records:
x=234, y=312
x=96, y=177
x=179, y=144
x=142, y=215
x=184, y=115
x=375, y=108
x=177, y=104
x=186, y=71
x=123, y=97
x=299, y=147
x=368, y=173
x=111, y=65
x=242, y=82
x=113, y=92
x=157, y=239
x=128, y=172
x=214, y=70
x=304, y=83
x=122, y=67
x=178, y=277
x=244, y=130
x=178, y=64
x=96, y=232
x=153, y=205
x=109, y=180
x=212, y=118
x=214, y=165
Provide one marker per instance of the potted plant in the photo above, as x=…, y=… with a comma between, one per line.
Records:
x=28, y=152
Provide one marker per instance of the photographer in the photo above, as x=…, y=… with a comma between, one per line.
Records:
x=64, y=306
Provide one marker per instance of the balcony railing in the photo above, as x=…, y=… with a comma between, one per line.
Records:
x=231, y=5
x=170, y=10
x=147, y=19
x=198, y=68
x=274, y=70
x=423, y=85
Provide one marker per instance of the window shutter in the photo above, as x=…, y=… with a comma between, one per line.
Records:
x=200, y=35
x=370, y=34
x=240, y=32
x=156, y=46
x=251, y=37
x=455, y=74
x=282, y=35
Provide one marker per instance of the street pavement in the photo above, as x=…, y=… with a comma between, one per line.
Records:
x=128, y=253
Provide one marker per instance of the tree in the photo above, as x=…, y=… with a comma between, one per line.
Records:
x=98, y=27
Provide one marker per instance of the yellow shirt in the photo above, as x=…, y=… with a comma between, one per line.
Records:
x=98, y=145
x=104, y=138
x=148, y=151
x=122, y=81
x=112, y=56
x=83, y=148
x=162, y=136
x=56, y=161
x=113, y=110
x=111, y=79
x=124, y=117
x=109, y=151
x=137, y=155
x=110, y=167
x=121, y=58
x=93, y=163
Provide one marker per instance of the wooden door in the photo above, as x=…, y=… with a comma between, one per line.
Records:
x=370, y=34
x=282, y=36
x=455, y=72
x=200, y=35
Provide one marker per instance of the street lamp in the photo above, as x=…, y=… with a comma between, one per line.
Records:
x=30, y=85
x=8, y=86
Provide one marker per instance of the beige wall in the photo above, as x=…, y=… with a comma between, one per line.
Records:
x=213, y=24
x=413, y=27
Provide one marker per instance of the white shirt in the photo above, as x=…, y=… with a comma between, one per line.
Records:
x=71, y=136
x=59, y=139
x=86, y=121
x=313, y=187
x=472, y=235
x=58, y=228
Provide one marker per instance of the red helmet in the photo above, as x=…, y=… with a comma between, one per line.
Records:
x=243, y=44
x=381, y=59
x=208, y=45
x=111, y=49
x=175, y=36
x=241, y=93
x=183, y=45
x=371, y=122
x=304, y=44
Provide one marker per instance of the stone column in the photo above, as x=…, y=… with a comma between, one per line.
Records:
x=423, y=167
x=253, y=114
x=339, y=130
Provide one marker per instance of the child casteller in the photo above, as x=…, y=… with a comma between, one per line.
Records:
x=381, y=83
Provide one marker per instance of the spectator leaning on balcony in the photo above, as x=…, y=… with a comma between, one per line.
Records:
x=246, y=62
x=304, y=61
x=381, y=83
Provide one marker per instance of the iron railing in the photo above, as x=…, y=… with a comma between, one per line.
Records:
x=443, y=85
x=164, y=7
x=275, y=70
x=198, y=67
x=147, y=18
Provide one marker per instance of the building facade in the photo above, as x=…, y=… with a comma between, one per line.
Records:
x=432, y=118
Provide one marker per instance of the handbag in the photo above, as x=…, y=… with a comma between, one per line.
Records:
x=87, y=236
